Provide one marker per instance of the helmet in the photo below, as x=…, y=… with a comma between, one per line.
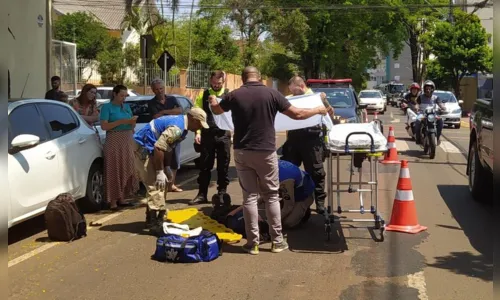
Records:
x=415, y=86
x=429, y=83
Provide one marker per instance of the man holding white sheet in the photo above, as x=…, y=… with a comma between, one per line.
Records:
x=306, y=146
x=253, y=108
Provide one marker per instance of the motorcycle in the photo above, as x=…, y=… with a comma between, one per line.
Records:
x=428, y=129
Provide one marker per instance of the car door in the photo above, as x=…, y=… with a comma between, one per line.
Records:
x=187, y=147
x=75, y=147
x=34, y=173
x=487, y=133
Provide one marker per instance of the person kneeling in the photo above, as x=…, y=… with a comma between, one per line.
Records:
x=155, y=142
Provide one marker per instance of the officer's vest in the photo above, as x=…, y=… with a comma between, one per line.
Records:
x=206, y=108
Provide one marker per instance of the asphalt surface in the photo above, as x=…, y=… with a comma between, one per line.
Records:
x=452, y=259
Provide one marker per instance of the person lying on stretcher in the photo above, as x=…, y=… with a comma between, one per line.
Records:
x=297, y=196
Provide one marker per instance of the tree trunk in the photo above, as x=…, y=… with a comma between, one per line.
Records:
x=413, y=41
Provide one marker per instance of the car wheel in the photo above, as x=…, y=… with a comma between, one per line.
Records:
x=479, y=181
x=94, y=197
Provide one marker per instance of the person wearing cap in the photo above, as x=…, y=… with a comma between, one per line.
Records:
x=155, y=144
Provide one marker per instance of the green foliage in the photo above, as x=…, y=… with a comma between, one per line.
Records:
x=90, y=36
x=460, y=48
x=111, y=62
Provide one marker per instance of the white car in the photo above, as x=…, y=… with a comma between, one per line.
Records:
x=453, y=117
x=373, y=99
x=52, y=150
x=139, y=106
x=104, y=92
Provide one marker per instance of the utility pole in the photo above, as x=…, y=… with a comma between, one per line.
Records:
x=450, y=17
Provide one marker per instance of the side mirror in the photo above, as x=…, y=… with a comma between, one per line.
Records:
x=460, y=102
x=24, y=141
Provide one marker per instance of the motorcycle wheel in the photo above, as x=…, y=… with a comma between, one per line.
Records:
x=432, y=145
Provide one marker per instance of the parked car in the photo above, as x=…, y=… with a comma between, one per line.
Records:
x=373, y=99
x=341, y=96
x=104, y=92
x=453, y=117
x=480, y=157
x=139, y=106
x=52, y=150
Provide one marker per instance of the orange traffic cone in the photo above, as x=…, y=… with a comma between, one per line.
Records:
x=391, y=157
x=404, y=212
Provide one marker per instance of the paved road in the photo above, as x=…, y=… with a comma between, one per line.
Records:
x=451, y=260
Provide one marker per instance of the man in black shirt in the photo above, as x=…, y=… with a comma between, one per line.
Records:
x=53, y=94
x=162, y=105
x=254, y=107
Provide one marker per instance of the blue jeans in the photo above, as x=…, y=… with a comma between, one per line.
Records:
x=439, y=129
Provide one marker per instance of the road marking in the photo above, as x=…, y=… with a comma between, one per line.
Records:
x=465, y=124
x=417, y=281
x=449, y=147
x=402, y=145
x=43, y=248
x=395, y=121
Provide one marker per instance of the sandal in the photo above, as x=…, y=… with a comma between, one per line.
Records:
x=176, y=189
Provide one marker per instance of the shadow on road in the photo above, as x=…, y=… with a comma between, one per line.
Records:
x=476, y=221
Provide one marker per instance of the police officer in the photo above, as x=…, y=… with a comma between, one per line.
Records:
x=155, y=143
x=427, y=99
x=306, y=145
x=214, y=142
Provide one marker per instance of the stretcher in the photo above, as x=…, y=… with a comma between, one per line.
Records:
x=362, y=142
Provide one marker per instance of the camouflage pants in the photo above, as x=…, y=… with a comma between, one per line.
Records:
x=144, y=166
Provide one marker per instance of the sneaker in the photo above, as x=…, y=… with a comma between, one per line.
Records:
x=278, y=247
x=254, y=249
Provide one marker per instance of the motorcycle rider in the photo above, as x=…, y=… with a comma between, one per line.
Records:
x=410, y=99
x=427, y=99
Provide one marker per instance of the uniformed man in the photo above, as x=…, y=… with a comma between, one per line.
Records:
x=155, y=142
x=214, y=142
x=307, y=145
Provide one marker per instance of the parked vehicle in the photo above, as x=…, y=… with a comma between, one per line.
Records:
x=103, y=92
x=52, y=150
x=480, y=156
x=139, y=106
x=373, y=99
x=454, y=115
x=341, y=96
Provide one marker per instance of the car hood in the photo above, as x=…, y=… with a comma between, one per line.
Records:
x=345, y=112
x=102, y=133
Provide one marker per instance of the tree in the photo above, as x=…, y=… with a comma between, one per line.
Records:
x=112, y=62
x=460, y=48
x=89, y=34
x=416, y=24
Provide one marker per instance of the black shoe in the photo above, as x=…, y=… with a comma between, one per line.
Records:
x=199, y=199
x=320, y=209
x=224, y=197
x=151, y=219
x=161, y=218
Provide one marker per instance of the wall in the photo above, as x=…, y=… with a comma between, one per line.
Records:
x=403, y=64
x=27, y=55
x=468, y=92
x=486, y=17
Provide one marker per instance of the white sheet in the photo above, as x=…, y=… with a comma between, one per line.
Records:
x=338, y=135
x=282, y=122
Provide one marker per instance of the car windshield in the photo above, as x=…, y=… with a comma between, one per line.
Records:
x=397, y=88
x=446, y=97
x=370, y=95
x=337, y=97
x=139, y=108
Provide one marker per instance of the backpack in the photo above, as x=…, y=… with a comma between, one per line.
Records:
x=177, y=249
x=63, y=220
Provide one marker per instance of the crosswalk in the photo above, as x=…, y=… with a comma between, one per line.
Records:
x=445, y=146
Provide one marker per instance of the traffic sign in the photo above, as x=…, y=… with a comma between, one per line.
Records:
x=170, y=61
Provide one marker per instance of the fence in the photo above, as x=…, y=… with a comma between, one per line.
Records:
x=64, y=64
x=88, y=72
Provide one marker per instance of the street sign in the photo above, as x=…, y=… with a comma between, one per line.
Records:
x=169, y=63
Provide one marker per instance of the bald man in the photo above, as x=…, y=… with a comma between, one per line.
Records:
x=305, y=146
x=254, y=107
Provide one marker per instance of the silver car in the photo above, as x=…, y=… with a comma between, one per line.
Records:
x=139, y=106
x=454, y=111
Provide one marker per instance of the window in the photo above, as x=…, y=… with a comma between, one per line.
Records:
x=60, y=120
x=337, y=97
x=370, y=95
x=140, y=109
x=25, y=119
x=184, y=103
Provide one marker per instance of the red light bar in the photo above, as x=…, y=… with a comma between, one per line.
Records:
x=347, y=80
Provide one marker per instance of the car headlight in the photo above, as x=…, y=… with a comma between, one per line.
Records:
x=431, y=118
x=457, y=111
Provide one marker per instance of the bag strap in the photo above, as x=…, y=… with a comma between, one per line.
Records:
x=183, y=247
